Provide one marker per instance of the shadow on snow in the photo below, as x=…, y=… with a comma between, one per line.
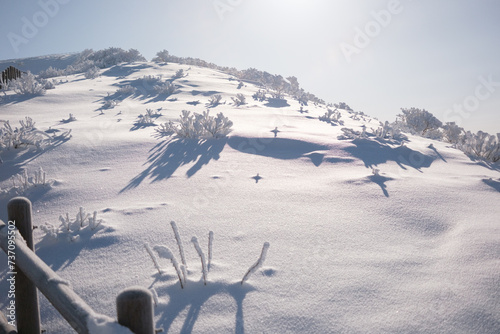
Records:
x=194, y=295
x=373, y=153
x=284, y=149
x=166, y=157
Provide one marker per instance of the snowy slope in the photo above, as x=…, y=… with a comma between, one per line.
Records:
x=414, y=249
x=38, y=64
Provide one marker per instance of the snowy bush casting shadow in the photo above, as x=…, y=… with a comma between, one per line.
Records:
x=376, y=152
x=495, y=184
x=283, y=148
x=60, y=253
x=166, y=157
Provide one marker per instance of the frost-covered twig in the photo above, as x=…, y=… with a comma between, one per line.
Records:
x=194, y=240
x=153, y=257
x=166, y=253
x=179, y=242
x=210, y=244
x=257, y=264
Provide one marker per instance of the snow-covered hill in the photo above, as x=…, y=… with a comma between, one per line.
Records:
x=367, y=234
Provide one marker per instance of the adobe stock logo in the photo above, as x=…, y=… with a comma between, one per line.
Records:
x=372, y=29
x=30, y=28
x=482, y=92
x=224, y=6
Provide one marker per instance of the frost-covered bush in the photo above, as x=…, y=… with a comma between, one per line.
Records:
x=259, y=95
x=161, y=57
x=24, y=181
x=419, y=121
x=109, y=57
x=481, y=145
x=109, y=104
x=214, y=100
x=239, y=100
x=126, y=90
x=148, y=118
x=332, y=117
x=51, y=72
x=27, y=136
x=348, y=133
x=197, y=126
x=452, y=133
x=48, y=84
x=166, y=88
x=342, y=105
x=179, y=74
x=70, y=229
x=27, y=84
x=386, y=131
x=92, y=73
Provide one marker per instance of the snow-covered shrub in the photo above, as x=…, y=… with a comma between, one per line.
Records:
x=161, y=57
x=149, y=82
x=239, y=100
x=419, y=121
x=126, y=90
x=332, y=117
x=452, y=133
x=386, y=131
x=259, y=95
x=148, y=118
x=27, y=84
x=70, y=229
x=109, y=57
x=214, y=100
x=342, y=105
x=197, y=126
x=27, y=136
x=481, y=145
x=109, y=104
x=51, y=72
x=179, y=74
x=47, y=84
x=23, y=182
x=71, y=118
x=348, y=133
x=92, y=73
x=166, y=88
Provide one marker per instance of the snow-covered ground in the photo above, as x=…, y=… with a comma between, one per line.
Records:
x=366, y=235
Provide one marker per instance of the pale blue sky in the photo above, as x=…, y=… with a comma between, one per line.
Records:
x=441, y=55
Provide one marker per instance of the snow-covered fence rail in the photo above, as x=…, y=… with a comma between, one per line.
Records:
x=135, y=311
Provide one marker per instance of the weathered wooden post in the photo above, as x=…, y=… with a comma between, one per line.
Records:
x=135, y=310
x=27, y=309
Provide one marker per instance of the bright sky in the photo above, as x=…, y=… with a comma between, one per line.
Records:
x=378, y=56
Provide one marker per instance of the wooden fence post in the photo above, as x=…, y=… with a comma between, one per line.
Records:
x=27, y=309
x=135, y=310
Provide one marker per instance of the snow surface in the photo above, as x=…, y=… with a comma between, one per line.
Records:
x=413, y=248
